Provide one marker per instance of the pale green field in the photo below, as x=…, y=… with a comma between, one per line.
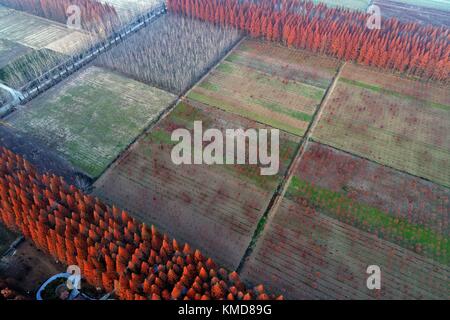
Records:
x=352, y=4
x=92, y=117
x=38, y=33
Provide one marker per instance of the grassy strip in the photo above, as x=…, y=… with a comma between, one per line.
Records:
x=277, y=108
x=394, y=93
x=373, y=220
x=209, y=86
x=245, y=113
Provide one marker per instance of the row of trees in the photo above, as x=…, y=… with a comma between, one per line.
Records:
x=406, y=47
x=112, y=249
x=95, y=15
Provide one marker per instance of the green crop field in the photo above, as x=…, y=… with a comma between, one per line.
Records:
x=92, y=117
x=270, y=84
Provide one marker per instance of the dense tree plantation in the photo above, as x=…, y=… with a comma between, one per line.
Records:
x=172, y=53
x=113, y=250
x=410, y=48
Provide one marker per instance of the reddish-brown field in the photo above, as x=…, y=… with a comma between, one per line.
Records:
x=305, y=254
x=341, y=214
x=394, y=121
x=215, y=208
x=399, y=194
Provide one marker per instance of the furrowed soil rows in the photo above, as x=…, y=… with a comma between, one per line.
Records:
x=270, y=84
x=127, y=9
x=341, y=214
x=91, y=117
x=414, y=11
x=35, y=32
x=305, y=254
x=406, y=122
x=216, y=208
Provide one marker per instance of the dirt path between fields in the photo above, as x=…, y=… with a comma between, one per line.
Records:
x=284, y=184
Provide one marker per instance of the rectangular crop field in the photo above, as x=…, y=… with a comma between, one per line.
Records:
x=341, y=214
x=437, y=12
x=10, y=50
x=91, y=117
x=215, y=208
x=270, y=84
x=434, y=4
x=127, y=9
x=401, y=123
x=33, y=31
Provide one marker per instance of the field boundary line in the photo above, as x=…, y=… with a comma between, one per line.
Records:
x=379, y=163
x=162, y=115
x=280, y=192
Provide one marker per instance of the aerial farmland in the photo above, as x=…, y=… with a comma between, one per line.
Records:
x=224, y=150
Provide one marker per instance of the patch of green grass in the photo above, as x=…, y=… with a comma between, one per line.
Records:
x=373, y=220
x=209, y=86
x=394, y=93
x=277, y=108
x=226, y=68
x=162, y=136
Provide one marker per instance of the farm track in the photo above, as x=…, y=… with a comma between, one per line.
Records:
x=284, y=184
